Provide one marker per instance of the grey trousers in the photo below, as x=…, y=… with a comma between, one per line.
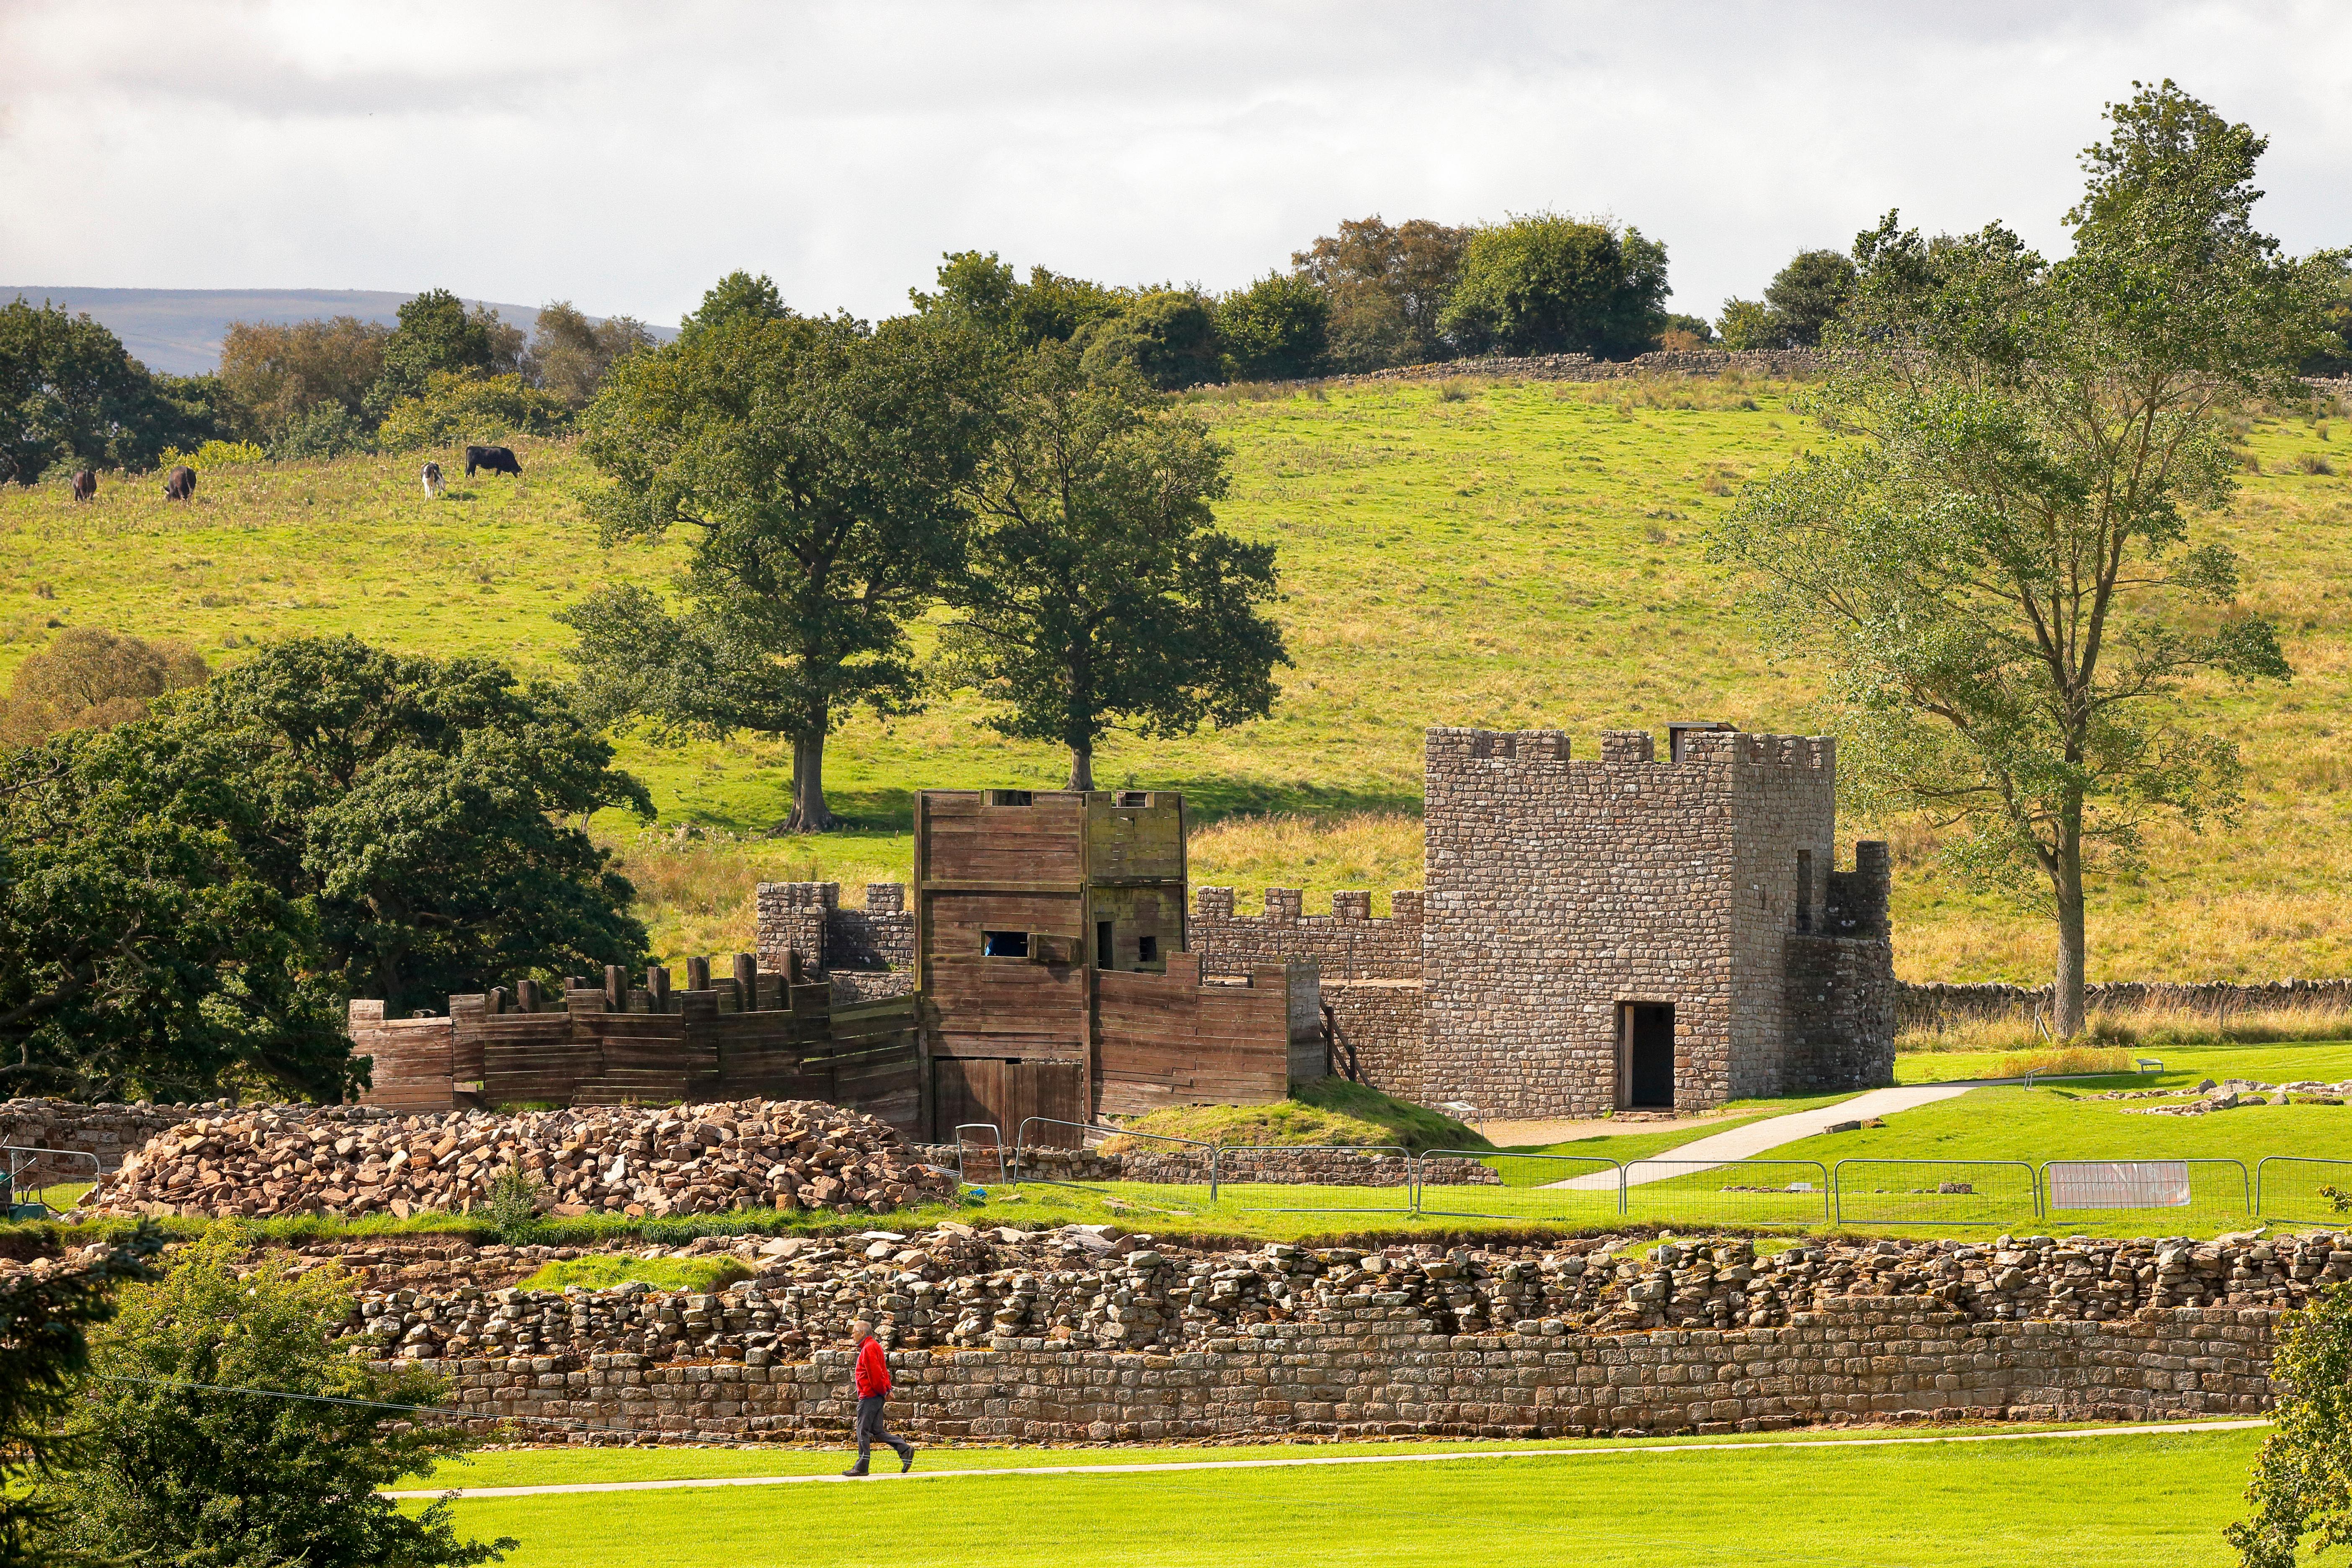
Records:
x=870, y=1431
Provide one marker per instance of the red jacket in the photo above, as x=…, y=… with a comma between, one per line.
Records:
x=873, y=1372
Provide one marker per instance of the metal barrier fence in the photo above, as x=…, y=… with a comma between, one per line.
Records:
x=1726, y=1192
x=2192, y=1190
x=993, y=1148
x=32, y=1171
x=1533, y=1187
x=1025, y=1163
x=2298, y=1188
x=1311, y=1201
x=1934, y=1192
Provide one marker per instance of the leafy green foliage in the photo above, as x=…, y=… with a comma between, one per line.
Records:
x=2302, y=1481
x=45, y=1317
x=282, y=375
x=329, y=430
x=1998, y=570
x=140, y=953
x=569, y=354
x=1166, y=335
x=1096, y=589
x=216, y=1477
x=437, y=334
x=816, y=462
x=423, y=809
x=454, y=409
x=513, y=1206
x=1549, y=284
x=1806, y=295
x=69, y=393
x=981, y=294
x=1388, y=285
x=738, y=296
x=1275, y=328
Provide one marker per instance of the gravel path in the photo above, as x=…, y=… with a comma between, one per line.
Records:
x=1756, y=1137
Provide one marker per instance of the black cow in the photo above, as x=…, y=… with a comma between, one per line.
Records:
x=497, y=460
x=84, y=486
x=180, y=484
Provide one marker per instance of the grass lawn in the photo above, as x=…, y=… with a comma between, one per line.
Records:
x=2112, y=1500
x=1507, y=555
x=2184, y=1065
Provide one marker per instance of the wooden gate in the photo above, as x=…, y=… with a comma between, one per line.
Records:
x=990, y=1089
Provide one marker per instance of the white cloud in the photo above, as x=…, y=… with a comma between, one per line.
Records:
x=624, y=156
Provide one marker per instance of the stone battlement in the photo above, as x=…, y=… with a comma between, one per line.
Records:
x=1688, y=743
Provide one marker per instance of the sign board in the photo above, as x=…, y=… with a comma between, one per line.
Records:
x=2118, y=1183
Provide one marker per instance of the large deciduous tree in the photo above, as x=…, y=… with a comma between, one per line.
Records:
x=1549, y=284
x=430, y=812
x=818, y=464
x=1996, y=561
x=1388, y=284
x=1096, y=589
x=70, y=393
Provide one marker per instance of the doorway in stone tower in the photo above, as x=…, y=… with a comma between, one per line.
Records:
x=1645, y=1056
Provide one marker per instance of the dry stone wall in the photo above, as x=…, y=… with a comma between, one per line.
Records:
x=1080, y=1333
x=107, y=1132
x=1936, y=1004
x=870, y=952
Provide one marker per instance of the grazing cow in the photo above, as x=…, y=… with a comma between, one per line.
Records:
x=432, y=477
x=84, y=486
x=180, y=484
x=497, y=460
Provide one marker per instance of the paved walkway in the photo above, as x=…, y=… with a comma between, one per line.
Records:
x=1756, y=1137
x=1613, y=1451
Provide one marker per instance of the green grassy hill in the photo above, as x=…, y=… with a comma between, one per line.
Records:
x=1476, y=552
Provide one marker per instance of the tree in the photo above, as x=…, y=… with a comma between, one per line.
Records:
x=46, y=1313
x=1681, y=331
x=438, y=333
x=455, y=408
x=1801, y=301
x=1166, y=335
x=1096, y=589
x=737, y=295
x=1387, y=288
x=1549, y=284
x=1275, y=328
x=140, y=954
x=91, y=679
x=2302, y=1481
x=428, y=811
x=818, y=462
x=282, y=373
x=69, y=392
x=196, y=1455
x=1996, y=564
x=981, y=294
x=569, y=354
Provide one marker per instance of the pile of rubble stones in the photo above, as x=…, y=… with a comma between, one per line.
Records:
x=364, y=1160
x=1084, y=1287
x=2208, y=1097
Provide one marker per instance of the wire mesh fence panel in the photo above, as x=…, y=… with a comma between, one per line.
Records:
x=1728, y=1192
x=2181, y=1194
x=979, y=1152
x=33, y=1173
x=1561, y=1187
x=1934, y=1192
x=2296, y=1186
x=1151, y=1167
x=1317, y=1179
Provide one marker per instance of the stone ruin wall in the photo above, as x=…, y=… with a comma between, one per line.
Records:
x=869, y=953
x=106, y=1130
x=1937, y=1005
x=1370, y=970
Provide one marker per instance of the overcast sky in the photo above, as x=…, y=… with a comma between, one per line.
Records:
x=624, y=156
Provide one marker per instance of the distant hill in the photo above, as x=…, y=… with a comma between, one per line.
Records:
x=180, y=329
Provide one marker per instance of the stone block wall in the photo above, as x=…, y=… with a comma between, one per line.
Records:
x=808, y=919
x=1385, y=1023
x=107, y=1132
x=1346, y=944
x=1783, y=805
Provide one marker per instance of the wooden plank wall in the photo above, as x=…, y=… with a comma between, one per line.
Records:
x=1167, y=1039
x=411, y=1058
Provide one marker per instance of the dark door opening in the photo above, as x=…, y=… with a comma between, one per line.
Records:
x=1104, y=957
x=1647, y=1040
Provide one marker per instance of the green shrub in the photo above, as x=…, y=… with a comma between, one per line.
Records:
x=513, y=1208
x=455, y=408
x=329, y=430
x=214, y=455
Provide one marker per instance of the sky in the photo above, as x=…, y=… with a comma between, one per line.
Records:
x=624, y=156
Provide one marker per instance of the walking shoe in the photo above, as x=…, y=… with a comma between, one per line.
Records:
x=855, y=1470
x=906, y=1461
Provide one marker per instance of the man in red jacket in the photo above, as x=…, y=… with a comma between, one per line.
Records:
x=873, y=1377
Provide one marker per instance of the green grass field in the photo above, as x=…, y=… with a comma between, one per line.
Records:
x=2126, y=1500
x=1504, y=555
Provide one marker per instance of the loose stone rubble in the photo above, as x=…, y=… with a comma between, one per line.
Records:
x=107, y=1132
x=361, y=1160
x=2209, y=1097
x=958, y=1287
